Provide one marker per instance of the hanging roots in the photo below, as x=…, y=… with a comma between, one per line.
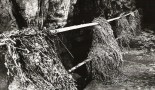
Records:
x=34, y=64
x=105, y=53
x=126, y=29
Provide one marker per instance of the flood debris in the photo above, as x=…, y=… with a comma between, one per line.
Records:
x=127, y=28
x=105, y=52
x=34, y=64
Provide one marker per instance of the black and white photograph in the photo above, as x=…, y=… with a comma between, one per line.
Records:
x=77, y=44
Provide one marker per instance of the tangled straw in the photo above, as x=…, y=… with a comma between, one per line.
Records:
x=105, y=53
x=34, y=63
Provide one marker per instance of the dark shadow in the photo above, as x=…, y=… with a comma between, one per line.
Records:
x=17, y=12
x=147, y=7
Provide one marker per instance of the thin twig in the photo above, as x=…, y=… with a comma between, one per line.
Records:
x=79, y=65
x=66, y=47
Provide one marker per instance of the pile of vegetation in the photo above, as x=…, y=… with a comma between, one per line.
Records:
x=31, y=59
x=34, y=57
x=105, y=54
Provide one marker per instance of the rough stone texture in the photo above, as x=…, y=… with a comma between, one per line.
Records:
x=7, y=21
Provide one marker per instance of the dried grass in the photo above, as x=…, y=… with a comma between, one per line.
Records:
x=135, y=22
x=124, y=32
x=34, y=63
x=127, y=28
x=105, y=53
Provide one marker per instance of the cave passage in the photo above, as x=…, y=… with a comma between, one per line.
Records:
x=148, y=11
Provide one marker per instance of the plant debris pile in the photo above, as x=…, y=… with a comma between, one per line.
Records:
x=32, y=60
x=135, y=22
x=105, y=53
x=127, y=28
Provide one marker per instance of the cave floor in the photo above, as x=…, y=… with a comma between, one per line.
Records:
x=139, y=72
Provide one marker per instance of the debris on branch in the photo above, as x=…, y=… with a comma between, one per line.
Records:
x=33, y=55
x=105, y=53
x=127, y=28
x=34, y=64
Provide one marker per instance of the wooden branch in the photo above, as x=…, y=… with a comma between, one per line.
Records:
x=79, y=65
x=85, y=25
x=14, y=33
x=73, y=27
